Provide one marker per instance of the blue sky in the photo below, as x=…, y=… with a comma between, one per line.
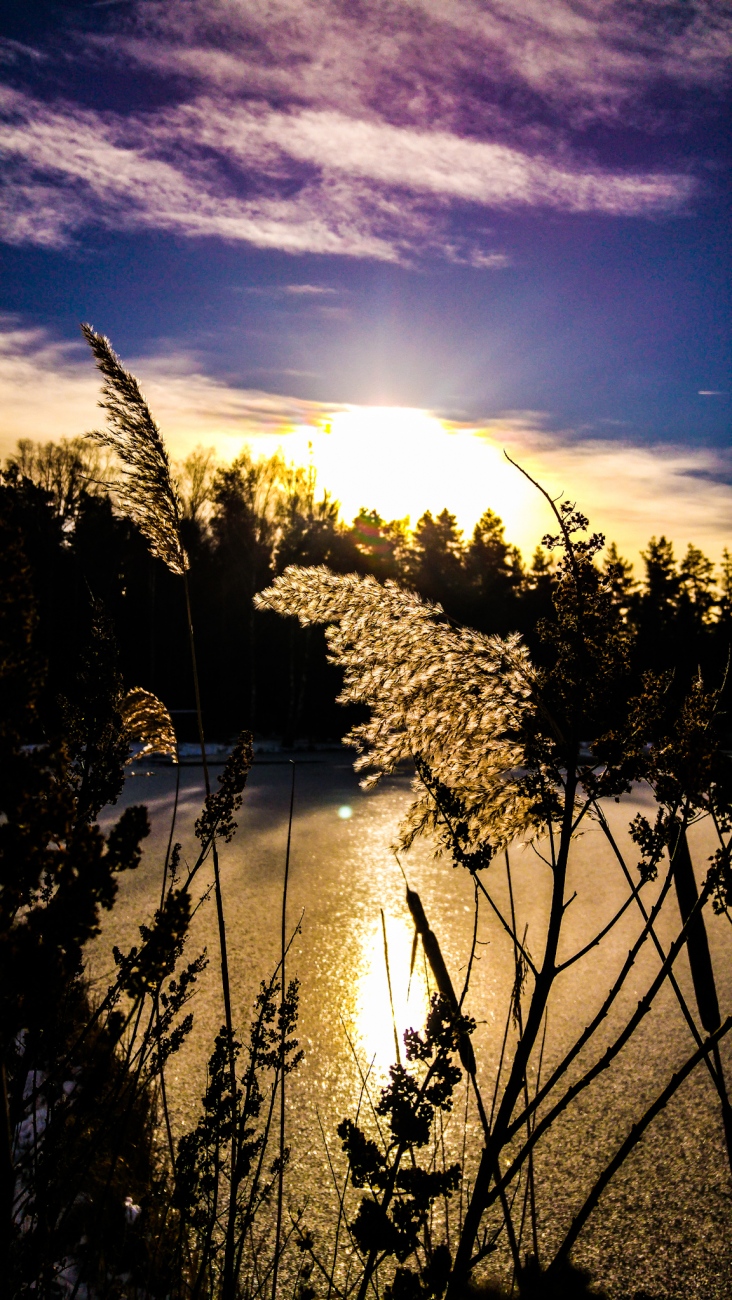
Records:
x=512, y=214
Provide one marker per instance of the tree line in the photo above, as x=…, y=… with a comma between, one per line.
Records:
x=243, y=524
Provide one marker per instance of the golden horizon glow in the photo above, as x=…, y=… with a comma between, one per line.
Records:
x=402, y=461
x=397, y=460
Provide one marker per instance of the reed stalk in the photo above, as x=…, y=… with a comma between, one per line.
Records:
x=530, y=1184
x=146, y=492
x=228, y=1284
x=391, y=995
x=283, y=955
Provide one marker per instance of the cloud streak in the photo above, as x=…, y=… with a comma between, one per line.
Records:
x=301, y=180
x=443, y=63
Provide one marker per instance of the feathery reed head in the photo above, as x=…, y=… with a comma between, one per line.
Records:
x=146, y=721
x=145, y=488
x=452, y=698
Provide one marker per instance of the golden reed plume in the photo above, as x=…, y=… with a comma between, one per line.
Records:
x=145, y=489
x=146, y=721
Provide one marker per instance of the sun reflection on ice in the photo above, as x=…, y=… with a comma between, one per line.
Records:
x=372, y=1019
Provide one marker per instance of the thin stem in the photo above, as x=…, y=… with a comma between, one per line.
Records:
x=509, y=929
x=171, y=833
x=644, y=1006
x=635, y=1136
x=283, y=1033
x=342, y=1196
x=391, y=995
x=473, y=946
x=500, y=1063
x=557, y=514
x=228, y=1285
x=451, y=830
x=530, y=1188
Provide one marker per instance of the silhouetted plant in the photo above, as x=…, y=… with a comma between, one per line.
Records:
x=224, y=1161
x=500, y=747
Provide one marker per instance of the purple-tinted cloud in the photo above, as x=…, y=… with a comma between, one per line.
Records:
x=469, y=66
x=303, y=180
x=320, y=126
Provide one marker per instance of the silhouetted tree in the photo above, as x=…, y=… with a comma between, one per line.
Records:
x=381, y=547
x=697, y=596
x=244, y=523
x=436, y=557
x=619, y=575
x=68, y=471
x=195, y=478
x=494, y=573
x=244, y=527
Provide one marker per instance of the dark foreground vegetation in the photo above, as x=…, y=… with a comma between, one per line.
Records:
x=509, y=739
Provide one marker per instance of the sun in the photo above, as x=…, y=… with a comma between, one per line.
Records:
x=402, y=461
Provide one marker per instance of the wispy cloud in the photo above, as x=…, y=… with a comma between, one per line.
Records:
x=309, y=290
x=630, y=491
x=48, y=389
x=300, y=180
x=446, y=63
x=11, y=52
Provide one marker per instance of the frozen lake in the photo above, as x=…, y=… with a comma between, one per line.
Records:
x=664, y=1226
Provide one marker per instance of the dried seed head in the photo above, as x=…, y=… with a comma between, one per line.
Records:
x=144, y=489
x=146, y=721
x=452, y=697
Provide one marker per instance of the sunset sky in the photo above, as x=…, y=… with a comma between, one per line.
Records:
x=397, y=236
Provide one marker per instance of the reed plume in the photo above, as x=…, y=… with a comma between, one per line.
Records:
x=144, y=489
x=146, y=721
x=450, y=697
x=146, y=492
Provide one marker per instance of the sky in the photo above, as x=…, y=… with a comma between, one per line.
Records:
x=399, y=237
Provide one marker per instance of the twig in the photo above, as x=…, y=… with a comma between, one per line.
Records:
x=600, y=935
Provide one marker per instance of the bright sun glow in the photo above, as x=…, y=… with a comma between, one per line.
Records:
x=397, y=460
x=402, y=462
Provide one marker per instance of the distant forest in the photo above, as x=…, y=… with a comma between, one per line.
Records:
x=243, y=524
